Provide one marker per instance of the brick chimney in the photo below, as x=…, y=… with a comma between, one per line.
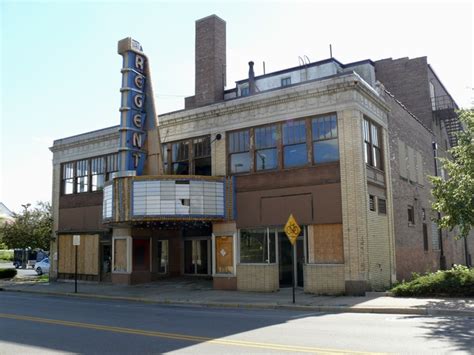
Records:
x=210, y=62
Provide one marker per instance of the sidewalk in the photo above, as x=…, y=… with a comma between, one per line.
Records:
x=201, y=293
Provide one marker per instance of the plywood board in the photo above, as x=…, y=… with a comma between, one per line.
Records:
x=326, y=244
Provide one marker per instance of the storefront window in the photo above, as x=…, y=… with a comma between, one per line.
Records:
x=266, y=157
x=257, y=246
x=239, y=149
x=325, y=144
x=294, y=144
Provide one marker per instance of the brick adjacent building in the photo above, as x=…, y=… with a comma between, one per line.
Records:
x=345, y=148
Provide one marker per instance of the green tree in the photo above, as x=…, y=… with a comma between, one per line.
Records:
x=31, y=228
x=454, y=197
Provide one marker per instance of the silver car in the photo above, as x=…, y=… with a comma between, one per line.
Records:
x=42, y=266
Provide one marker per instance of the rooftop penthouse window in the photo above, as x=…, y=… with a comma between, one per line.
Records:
x=286, y=81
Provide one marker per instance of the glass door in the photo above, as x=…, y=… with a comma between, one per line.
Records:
x=196, y=256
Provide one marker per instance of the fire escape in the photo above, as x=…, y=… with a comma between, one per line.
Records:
x=444, y=110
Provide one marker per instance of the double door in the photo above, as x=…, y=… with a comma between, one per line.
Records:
x=197, y=260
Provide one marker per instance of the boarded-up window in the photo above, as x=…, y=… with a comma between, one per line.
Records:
x=87, y=255
x=224, y=255
x=325, y=244
x=411, y=164
x=402, y=159
x=419, y=168
x=120, y=255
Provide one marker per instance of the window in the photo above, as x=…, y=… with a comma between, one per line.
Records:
x=286, y=81
x=372, y=202
x=325, y=144
x=180, y=158
x=294, y=144
x=98, y=173
x=68, y=178
x=257, y=246
x=372, y=144
x=382, y=206
x=244, y=91
x=165, y=158
x=202, y=156
x=266, y=156
x=239, y=149
x=112, y=165
x=411, y=215
x=82, y=173
x=88, y=174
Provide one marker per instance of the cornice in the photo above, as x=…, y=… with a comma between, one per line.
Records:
x=283, y=96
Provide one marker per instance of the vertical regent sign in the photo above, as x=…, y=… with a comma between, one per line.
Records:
x=133, y=115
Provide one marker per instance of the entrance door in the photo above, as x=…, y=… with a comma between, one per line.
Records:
x=196, y=256
x=285, y=260
x=106, y=262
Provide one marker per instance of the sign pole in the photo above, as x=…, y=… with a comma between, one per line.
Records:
x=76, y=241
x=75, y=273
x=294, y=270
x=292, y=231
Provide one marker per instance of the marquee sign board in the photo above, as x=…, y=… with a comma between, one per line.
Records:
x=133, y=112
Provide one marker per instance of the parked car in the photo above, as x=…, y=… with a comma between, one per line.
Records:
x=42, y=267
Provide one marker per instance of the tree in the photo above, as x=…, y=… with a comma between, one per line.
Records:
x=30, y=228
x=454, y=197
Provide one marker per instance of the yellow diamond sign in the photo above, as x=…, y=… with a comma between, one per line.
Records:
x=292, y=229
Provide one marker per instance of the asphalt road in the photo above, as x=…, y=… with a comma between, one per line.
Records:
x=46, y=324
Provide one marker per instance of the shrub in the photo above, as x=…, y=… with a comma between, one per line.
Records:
x=6, y=255
x=7, y=273
x=458, y=281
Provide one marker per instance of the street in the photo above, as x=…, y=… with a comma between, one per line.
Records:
x=47, y=324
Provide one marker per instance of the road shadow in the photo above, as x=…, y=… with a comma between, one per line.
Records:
x=458, y=331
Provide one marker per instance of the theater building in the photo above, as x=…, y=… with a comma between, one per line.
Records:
x=206, y=191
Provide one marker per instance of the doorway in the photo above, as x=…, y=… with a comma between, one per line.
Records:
x=106, y=262
x=196, y=256
x=285, y=260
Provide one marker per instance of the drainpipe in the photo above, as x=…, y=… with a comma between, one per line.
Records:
x=442, y=258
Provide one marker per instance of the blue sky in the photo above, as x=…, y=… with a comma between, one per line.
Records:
x=60, y=71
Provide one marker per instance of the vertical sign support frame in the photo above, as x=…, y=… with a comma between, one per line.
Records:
x=76, y=241
x=292, y=231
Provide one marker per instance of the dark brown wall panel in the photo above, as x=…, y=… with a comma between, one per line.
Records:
x=81, y=219
x=316, y=175
x=81, y=200
x=310, y=204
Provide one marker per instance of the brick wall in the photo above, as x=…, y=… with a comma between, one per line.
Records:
x=407, y=79
x=323, y=279
x=257, y=277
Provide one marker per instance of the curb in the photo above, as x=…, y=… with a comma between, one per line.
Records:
x=323, y=309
